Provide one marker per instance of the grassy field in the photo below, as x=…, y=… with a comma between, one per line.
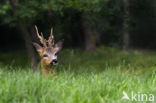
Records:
x=82, y=77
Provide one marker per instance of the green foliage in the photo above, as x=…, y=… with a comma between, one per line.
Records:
x=80, y=5
x=82, y=77
x=32, y=8
x=5, y=13
x=106, y=16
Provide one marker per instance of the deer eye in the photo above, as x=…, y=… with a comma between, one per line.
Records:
x=45, y=55
x=55, y=54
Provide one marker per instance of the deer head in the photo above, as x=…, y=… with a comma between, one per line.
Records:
x=48, y=52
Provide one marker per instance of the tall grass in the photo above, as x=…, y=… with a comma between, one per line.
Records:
x=82, y=77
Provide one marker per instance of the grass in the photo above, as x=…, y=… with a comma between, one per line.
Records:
x=82, y=77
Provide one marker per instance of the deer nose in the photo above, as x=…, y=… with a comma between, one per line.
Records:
x=55, y=61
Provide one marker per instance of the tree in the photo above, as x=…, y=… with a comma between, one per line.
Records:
x=13, y=6
x=126, y=35
x=89, y=37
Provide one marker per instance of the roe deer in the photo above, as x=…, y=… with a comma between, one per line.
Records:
x=48, y=52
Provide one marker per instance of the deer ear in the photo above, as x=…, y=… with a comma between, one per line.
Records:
x=38, y=47
x=58, y=45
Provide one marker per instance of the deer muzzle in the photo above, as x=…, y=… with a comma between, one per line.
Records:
x=54, y=62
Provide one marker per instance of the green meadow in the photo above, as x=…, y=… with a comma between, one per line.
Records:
x=99, y=76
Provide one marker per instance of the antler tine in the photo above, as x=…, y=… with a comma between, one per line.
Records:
x=51, y=38
x=42, y=40
x=37, y=32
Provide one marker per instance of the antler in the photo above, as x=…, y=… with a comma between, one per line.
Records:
x=51, y=39
x=42, y=40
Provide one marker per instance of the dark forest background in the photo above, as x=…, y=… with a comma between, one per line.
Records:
x=84, y=24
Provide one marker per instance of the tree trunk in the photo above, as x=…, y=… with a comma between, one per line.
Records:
x=126, y=34
x=28, y=44
x=25, y=33
x=89, y=38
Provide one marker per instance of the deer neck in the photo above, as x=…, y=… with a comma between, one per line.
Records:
x=47, y=69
